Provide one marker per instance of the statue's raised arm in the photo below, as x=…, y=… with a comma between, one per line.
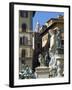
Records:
x=52, y=40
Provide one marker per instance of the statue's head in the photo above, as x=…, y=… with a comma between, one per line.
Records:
x=57, y=30
x=51, y=32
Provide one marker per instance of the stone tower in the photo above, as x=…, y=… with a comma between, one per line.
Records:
x=37, y=28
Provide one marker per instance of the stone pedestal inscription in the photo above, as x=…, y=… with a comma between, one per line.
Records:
x=42, y=72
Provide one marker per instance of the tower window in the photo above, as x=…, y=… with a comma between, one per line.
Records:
x=23, y=13
x=23, y=53
x=24, y=26
x=20, y=41
x=23, y=40
x=22, y=61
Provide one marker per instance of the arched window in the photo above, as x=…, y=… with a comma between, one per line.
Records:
x=24, y=26
x=23, y=40
x=20, y=41
x=23, y=14
x=23, y=53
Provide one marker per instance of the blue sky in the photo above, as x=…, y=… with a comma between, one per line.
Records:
x=42, y=17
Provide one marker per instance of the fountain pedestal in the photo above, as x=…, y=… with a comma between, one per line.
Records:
x=42, y=72
x=60, y=65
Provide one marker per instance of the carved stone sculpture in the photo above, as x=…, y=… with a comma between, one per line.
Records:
x=52, y=41
x=41, y=60
x=52, y=49
x=58, y=39
x=47, y=59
